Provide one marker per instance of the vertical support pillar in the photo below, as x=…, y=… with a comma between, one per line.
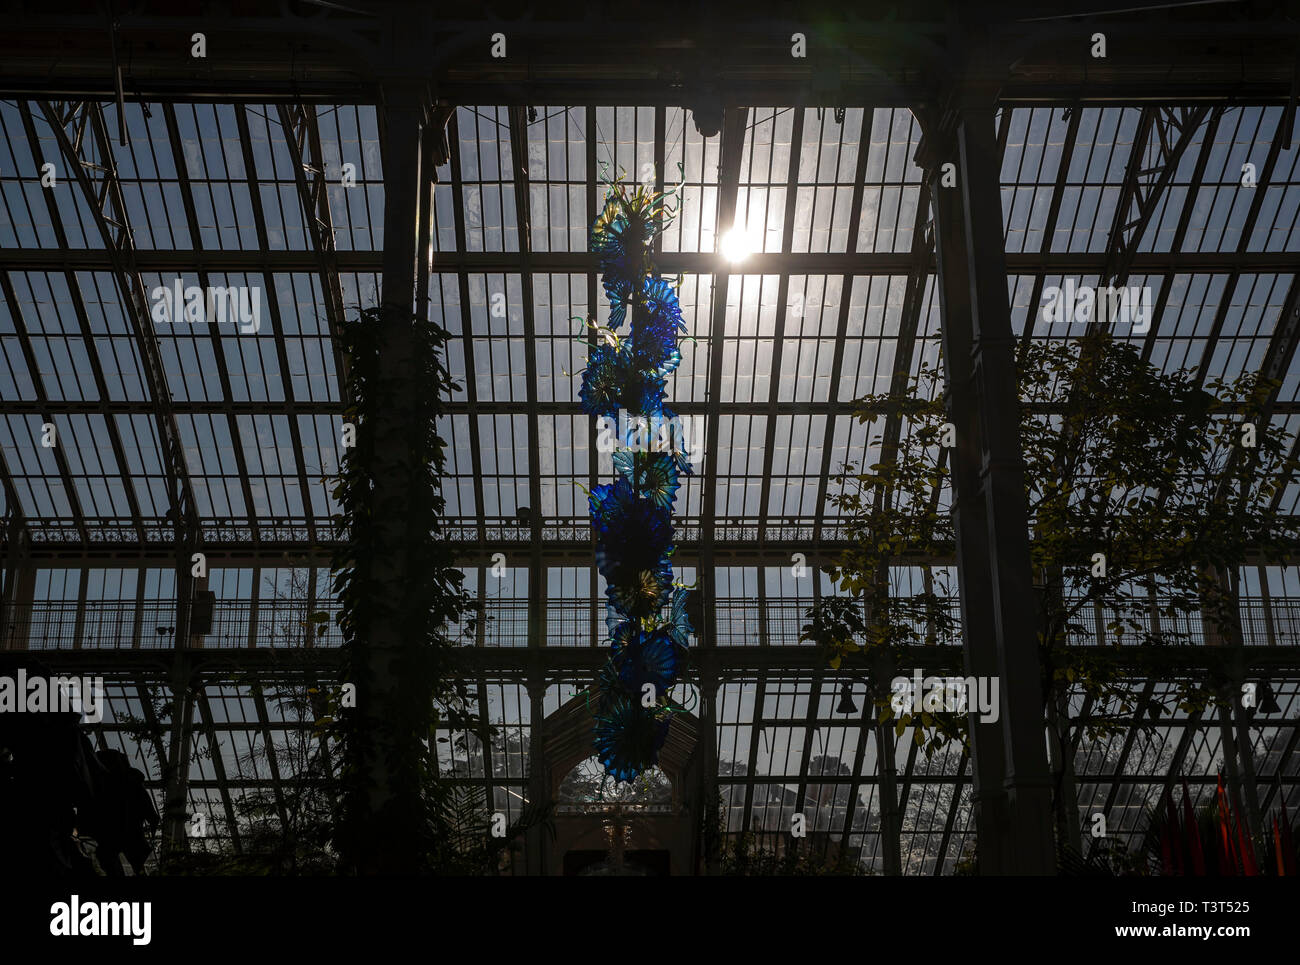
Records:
x=137, y=634
x=891, y=812
x=705, y=809
x=386, y=815
x=19, y=588
x=1012, y=781
x=1266, y=603
x=197, y=640
x=710, y=822
x=79, y=626
x=176, y=795
x=731, y=150
x=176, y=799
x=480, y=610
x=537, y=851
x=1224, y=629
x=308, y=624
x=252, y=607
x=8, y=571
x=1245, y=745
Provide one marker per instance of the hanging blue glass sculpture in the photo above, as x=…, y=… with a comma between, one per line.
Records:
x=632, y=516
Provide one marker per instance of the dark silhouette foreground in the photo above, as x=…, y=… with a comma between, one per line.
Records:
x=60, y=799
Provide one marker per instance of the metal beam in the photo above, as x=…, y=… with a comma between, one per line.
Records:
x=155, y=731
x=1180, y=232
x=264, y=726
x=472, y=402
x=738, y=663
x=102, y=406
x=302, y=135
x=953, y=805
x=1013, y=787
x=384, y=805
x=480, y=407
x=1225, y=301
x=557, y=58
x=1145, y=183
x=47, y=415
x=523, y=219
x=841, y=331
x=180, y=162
x=782, y=307
x=218, y=764
x=108, y=207
x=670, y=262
x=730, y=150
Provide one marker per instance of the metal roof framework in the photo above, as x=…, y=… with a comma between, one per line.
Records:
x=277, y=185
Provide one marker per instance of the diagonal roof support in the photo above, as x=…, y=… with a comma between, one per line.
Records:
x=1275, y=784
x=154, y=726
x=1151, y=166
x=296, y=406
x=302, y=135
x=15, y=521
x=1180, y=231
x=14, y=565
x=218, y=350
x=264, y=726
x=466, y=328
x=913, y=301
x=74, y=287
x=1278, y=360
x=96, y=175
x=60, y=458
x=953, y=805
x=732, y=147
x=1053, y=212
x=1285, y=334
x=782, y=308
x=103, y=196
x=841, y=331
x=218, y=763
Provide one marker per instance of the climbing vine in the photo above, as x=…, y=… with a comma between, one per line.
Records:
x=399, y=594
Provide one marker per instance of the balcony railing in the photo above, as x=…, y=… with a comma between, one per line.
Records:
x=742, y=621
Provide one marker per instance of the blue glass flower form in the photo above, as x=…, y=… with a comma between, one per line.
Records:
x=633, y=529
x=661, y=305
x=620, y=239
x=618, y=289
x=607, y=687
x=632, y=517
x=646, y=658
x=624, y=230
x=652, y=474
x=643, y=395
x=679, y=626
x=602, y=381
x=614, y=232
x=681, y=457
x=654, y=336
x=640, y=592
x=654, y=351
x=632, y=539
x=629, y=737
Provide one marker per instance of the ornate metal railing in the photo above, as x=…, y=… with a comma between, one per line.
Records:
x=742, y=621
